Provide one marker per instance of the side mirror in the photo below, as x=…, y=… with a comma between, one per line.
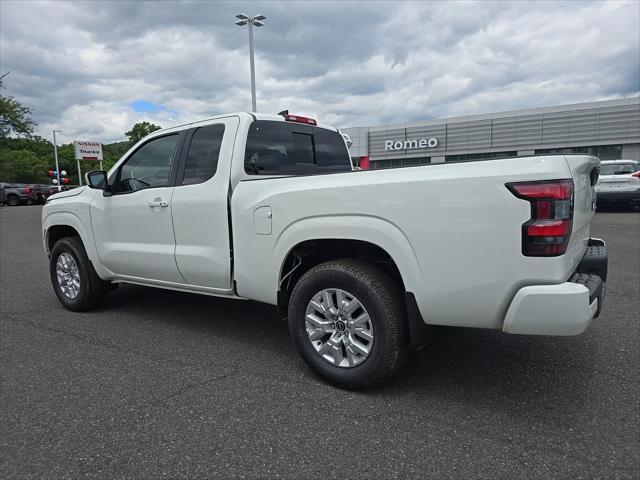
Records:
x=97, y=179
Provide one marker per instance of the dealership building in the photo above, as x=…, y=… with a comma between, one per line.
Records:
x=608, y=129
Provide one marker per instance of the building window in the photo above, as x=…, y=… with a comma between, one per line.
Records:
x=474, y=157
x=603, y=152
x=399, y=162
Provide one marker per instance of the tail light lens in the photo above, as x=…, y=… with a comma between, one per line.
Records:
x=548, y=231
x=27, y=190
x=637, y=174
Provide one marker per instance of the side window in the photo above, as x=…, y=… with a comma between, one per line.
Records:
x=282, y=148
x=202, y=158
x=148, y=167
x=275, y=148
x=331, y=151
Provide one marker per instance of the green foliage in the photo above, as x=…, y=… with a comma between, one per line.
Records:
x=140, y=130
x=22, y=166
x=15, y=118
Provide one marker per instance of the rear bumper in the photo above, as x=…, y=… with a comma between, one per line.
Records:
x=564, y=309
x=614, y=196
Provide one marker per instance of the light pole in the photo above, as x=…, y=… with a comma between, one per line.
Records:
x=251, y=21
x=55, y=152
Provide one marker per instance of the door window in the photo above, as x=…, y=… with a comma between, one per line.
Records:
x=204, y=150
x=148, y=167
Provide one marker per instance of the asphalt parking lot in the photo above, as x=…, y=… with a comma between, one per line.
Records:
x=163, y=384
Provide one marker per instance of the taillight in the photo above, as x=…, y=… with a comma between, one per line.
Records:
x=548, y=231
x=27, y=190
x=299, y=119
x=637, y=174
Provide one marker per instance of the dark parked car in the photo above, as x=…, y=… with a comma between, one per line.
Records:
x=3, y=196
x=19, y=193
x=44, y=191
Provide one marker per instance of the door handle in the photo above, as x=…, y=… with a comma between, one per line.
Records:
x=158, y=203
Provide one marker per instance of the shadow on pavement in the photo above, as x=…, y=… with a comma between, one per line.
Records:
x=530, y=374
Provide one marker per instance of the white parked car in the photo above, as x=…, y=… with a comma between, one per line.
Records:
x=619, y=183
x=267, y=207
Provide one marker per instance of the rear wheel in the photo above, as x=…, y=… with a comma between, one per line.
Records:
x=347, y=320
x=13, y=200
x=74, y=279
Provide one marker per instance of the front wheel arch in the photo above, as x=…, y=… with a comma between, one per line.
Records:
x=56, y=232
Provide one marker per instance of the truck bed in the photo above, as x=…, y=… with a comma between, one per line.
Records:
x=453, y=230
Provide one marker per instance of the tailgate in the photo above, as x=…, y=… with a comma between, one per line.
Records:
x=584, y=171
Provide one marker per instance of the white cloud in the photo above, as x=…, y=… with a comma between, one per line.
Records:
x=80, y=65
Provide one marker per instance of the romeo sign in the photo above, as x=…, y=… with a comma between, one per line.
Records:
x=410, y=144
x=87, y=150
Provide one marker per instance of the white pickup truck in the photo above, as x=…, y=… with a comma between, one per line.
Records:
x=269, y=208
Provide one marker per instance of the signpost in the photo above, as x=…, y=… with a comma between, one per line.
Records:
x=87, y=151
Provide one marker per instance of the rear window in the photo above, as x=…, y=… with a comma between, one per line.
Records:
x=618, y=168
x=283, y=148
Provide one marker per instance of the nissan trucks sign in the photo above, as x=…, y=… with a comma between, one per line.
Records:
x=410, y=144
x=87, y=150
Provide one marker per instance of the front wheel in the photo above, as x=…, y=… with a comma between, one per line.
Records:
x=74, y=279
x=347, y=321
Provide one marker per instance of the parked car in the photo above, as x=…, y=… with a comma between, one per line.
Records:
x=44, y=191
x=268, y=208
x=3, y=195
x=619, y=183
x=20, y=194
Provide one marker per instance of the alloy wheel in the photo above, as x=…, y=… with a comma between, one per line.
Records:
x=339, y=327
x=68, y=275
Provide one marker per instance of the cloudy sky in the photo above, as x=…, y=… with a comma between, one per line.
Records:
x=93, y=69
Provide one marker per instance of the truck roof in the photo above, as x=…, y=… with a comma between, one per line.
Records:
x=256, y=116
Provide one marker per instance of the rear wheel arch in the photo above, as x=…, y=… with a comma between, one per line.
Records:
x=308, y=254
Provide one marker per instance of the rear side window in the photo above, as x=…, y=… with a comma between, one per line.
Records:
x=283, y=148
x=202, y=158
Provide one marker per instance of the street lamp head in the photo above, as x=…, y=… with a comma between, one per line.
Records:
x=259, y=17
x=242, y=23
x=257, y=23
x=242, y=16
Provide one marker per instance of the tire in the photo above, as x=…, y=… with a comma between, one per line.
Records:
x=13, y=200
x=379, y=296
x=91, y=290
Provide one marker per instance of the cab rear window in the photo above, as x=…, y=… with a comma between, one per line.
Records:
x=282, y=148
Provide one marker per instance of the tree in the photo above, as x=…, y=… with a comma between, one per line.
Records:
x=141, y=130
x=23, y=166
x=15, y=118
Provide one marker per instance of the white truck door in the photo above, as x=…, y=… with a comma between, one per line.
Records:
x=132, y=228
x=199, y=204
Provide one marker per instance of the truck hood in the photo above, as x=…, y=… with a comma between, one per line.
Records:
x=68, y=193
